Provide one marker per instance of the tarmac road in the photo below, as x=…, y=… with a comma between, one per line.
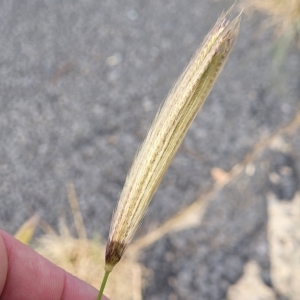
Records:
x=80, y=84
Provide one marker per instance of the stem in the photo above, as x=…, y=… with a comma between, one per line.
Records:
x=104, y=280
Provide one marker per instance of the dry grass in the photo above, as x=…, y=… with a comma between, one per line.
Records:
x=84, y=258
x=284, y=15
x=26, y=231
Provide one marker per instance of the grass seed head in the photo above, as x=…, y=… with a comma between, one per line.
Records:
x=166, y=134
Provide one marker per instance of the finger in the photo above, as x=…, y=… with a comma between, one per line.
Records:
x=30, y=276
x=3, y=264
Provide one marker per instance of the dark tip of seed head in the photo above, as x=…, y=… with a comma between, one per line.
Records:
x=113, y=254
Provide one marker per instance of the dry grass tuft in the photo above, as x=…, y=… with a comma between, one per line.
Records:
x=284, y=15
x=84, y=258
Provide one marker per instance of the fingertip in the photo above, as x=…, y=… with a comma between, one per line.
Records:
x=3, y=263
x=31, y=274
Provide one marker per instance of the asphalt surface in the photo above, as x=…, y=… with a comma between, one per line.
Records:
x=80, y=84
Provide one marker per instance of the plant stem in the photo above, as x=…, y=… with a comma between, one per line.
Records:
x=104, y=280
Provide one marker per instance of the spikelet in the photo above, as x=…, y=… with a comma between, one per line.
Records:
x=166, y=134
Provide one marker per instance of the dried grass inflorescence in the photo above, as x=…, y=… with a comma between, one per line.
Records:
x=166, y=134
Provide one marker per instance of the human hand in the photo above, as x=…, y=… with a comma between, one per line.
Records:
x=24, y=274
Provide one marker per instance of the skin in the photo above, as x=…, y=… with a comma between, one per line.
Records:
x=24, y=274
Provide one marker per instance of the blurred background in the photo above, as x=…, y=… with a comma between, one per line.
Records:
x=81, y=82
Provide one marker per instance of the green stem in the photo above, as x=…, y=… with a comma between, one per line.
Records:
x=104, y=280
